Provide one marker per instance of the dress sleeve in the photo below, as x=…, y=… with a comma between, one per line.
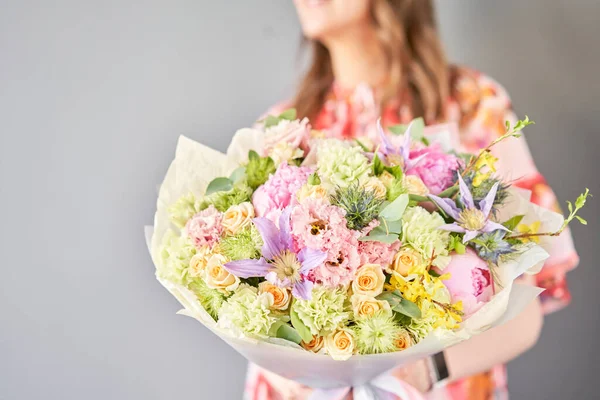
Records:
x=516, y=165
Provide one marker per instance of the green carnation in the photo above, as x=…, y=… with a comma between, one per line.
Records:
x=377, y=334
x=240, y=193
x=258, y=169
x=176, y=251
x=420, y=229
x=324, y=312
x=184, y=209
x=420, y=328
x=341, y=165
x=243, y=245
x=211, y=299
x=248, y=312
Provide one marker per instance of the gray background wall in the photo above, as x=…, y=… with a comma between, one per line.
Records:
x=93, y=95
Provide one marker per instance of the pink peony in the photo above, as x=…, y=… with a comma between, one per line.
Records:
x=376, y=252
x=470, y=281
x=436, y=169
x=318, y=225
x=277, y=193
x=205, y=227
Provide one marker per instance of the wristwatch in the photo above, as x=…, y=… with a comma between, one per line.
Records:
x=438, y=369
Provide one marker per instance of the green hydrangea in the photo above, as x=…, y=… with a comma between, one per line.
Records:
x=176, y=251
x=225, y=199
x=376, y=334
x=211, y=299
x=420, y=229
x=325, y=311
x=245, y=244
x=341, y=165
x=247, y=311
x=184, y=209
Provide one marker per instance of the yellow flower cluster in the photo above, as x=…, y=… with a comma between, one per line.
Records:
x=486, y=159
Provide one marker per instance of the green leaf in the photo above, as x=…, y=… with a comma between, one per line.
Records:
x=397, y=129
x=219, y=185
x=271, y=121
x=378, y=166
x=395, y=210
x=288, y=333
x=583, y=221
x=302, y=329
x=289, y=114
x=417, y=130
x=408, y=308
x=396, y=171
x=512, y=223
x=418, y=199
x=238, y=174
x=362, y=145
x=390, y=226
x=451, y=191
x=433, y=273
x=393, y=298
x=253, y=155
x=314, y=179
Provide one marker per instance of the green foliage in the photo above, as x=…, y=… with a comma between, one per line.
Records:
x=395, y=210
x=286, y=332
x=400, y=305
x=258, y=169
x=223, y=200
x=579, y=204
x=314, y=179
x=512, y=223
x=220, y=184
x=271, y=120
x=301, y=328
x=361, y=205
x=211, y=299
x=456, y=244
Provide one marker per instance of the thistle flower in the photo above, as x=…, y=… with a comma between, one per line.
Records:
x=472, y=220
x=327, y=310
x=377, y=334
x=280, y=265
x=244, y=245
x=361, y=205
x=490, y=246
x=479, y=192
x=211, y=299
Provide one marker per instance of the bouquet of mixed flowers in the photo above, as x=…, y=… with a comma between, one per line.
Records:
x=302, y=250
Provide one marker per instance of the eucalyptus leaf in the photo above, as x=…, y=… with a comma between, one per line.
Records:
x=397, y=129
x=288, y=333
x=289, y=114
x=238, y=174
x=219, y=185
x=417, y=129
x=390, y=226
x=408, y=308
x=451, y=191
x=395, y=210
x=271, y=121
x=302, y=329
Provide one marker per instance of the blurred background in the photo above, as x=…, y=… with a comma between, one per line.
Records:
x=93, y=95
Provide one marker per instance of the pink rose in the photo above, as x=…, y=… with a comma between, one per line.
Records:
x=436, y=169
x=278, y=192
x=470, y=281
x=205, y=227
x=295, y=133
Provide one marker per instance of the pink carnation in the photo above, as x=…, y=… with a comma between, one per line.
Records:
x=436, y=169
x=376, y=252
x=277, y=193
x=318, y=225
x=205, y=227
x=470, y=281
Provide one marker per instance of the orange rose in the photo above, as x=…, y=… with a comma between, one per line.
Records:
x=281, y=296
x=369, y=280
x=315, y=345
x=406, y=261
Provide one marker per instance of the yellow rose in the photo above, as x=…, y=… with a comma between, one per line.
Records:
x=217, y=277
x=199, y=261
x=403, y=341
x=238, y=217
x=406, y=261
x=367, y=306
x=414, y=185
x=369, y=280
x=315, y=345
x=340, y=344
x=281, y=296
x=387, y=179
x=314, y=191
x=377, y=187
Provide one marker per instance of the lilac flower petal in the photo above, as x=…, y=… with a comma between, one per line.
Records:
x=303, y=290
x=469, y=235
x=248, y=268
x=486, y=204
x=414, y=161
x=285, y=230
x=270, y=235
x=386, y=145
x=310, y=259
x=492, y=226
x=465, y=193
x=447, y=205
x=453, y=228
x=405, y=148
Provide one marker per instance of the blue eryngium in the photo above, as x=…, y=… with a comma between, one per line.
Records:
x=279, y=264
x=471, y=220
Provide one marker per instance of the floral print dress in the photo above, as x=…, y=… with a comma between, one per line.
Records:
x=478, y=108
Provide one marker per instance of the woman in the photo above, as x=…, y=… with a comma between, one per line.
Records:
x=375, y=58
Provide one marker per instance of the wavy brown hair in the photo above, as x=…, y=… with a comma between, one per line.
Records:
x=407, y=31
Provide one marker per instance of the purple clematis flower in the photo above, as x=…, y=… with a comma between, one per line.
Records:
x=280, y=265
x=398, y=155
x=470, y=220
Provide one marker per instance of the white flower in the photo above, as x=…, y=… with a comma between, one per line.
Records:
x=420, y=229
x=217, y=277
x=237, y=217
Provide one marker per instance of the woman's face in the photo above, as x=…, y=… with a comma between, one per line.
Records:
x=323, y=18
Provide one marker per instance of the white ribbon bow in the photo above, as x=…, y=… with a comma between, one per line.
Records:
x=384, y=387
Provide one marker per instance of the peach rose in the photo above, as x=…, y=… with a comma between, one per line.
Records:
x=367, y=306
x=406, y=261
x=387, y=179
x=281, y=296
x=403, y=341
x=217, y=277
x=199, y=261
x=314, y=191
x=369, y=280
x=340, y=344
x=414, y=185
x=315, y=345
x=377, y=187
x=238, y=217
